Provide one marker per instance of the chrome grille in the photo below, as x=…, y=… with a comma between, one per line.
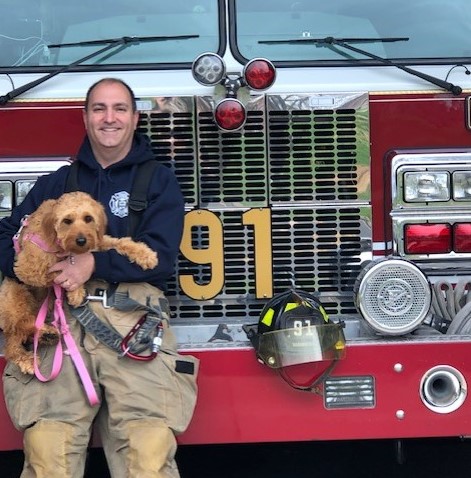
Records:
x=306, y=157
x=232, y=166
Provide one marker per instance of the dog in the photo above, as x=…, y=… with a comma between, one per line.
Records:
x=72, y=224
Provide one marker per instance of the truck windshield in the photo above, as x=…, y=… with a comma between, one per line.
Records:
x=437, y=30
x=29, y=27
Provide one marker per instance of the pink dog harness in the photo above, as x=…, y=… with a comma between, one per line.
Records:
x=60, y=323
x=34, y=238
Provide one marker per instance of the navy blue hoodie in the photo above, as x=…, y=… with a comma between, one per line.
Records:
x=160, y=226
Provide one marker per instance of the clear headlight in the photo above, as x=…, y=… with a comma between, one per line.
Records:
x=461, y=185
x=6, y=195
x=426, y=186
x=22, y=189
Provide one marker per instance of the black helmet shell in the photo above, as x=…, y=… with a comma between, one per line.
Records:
x=289, y=307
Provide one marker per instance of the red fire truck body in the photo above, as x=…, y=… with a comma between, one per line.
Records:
x=347, y=179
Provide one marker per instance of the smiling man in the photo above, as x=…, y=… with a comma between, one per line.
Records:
x=110, y=118
x=147, y=395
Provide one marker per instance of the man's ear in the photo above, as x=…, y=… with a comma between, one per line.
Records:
x=84, y=118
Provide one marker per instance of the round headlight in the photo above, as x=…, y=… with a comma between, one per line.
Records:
x=393, y=295
x=208, y=69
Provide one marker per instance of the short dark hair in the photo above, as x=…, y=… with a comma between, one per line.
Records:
x=111, y=80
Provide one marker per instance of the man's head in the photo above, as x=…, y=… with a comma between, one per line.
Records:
x=110, y=118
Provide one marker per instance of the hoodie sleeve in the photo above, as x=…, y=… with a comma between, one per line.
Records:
x=160, y=227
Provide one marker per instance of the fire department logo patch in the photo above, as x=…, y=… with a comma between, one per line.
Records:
x=119, y=204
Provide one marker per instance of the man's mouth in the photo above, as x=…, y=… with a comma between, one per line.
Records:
x=109, y=130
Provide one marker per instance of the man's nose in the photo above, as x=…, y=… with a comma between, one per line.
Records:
x=109, y=115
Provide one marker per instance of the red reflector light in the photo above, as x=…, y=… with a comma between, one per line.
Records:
x=230, y=114
x=462, y=237
x=259, y=74
x=427, y=238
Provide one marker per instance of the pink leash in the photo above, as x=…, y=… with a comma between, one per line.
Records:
x=60, y=323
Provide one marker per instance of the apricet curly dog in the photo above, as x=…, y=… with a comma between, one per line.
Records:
x=74, y=223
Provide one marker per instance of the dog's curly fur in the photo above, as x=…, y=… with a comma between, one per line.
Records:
x=74, y=223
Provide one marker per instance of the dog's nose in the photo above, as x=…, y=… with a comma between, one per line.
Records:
x=80, y=241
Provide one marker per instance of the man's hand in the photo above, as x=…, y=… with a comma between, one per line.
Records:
x=74, y=270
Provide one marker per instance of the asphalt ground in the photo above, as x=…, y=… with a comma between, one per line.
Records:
x=430, y=458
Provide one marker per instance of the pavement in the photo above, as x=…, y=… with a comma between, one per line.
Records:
x=417, y=458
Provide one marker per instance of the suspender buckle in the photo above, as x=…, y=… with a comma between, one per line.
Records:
x=102, y=296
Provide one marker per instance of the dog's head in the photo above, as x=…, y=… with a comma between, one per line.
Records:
x=77, y=221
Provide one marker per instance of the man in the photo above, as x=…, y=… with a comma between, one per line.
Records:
x=141, y=406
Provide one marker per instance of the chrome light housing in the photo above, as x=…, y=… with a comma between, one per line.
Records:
x=393, y=295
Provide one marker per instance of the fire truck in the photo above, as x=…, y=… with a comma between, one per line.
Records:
x=320, y=146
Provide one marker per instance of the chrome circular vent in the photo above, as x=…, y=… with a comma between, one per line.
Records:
x=443, y=389
x=393, y=295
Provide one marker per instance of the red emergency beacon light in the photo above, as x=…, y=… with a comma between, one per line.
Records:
x=230, y=113
x=259, y=74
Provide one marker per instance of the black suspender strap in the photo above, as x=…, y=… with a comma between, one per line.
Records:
x=139, y=192
x=72, y=179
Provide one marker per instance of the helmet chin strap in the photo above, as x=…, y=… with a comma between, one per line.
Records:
x=315, y=385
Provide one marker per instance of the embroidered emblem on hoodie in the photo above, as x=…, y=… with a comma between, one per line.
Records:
x=119, y=204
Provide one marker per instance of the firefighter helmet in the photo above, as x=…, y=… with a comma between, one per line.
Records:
x=294, y=328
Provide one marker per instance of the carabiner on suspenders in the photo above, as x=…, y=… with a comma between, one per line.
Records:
x=156, y=342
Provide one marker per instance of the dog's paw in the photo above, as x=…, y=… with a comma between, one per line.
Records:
x=148, y=259
x=26, y=363
x=76, y=297
x=48, y=335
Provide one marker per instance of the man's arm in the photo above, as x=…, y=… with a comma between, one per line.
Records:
x=161, y=228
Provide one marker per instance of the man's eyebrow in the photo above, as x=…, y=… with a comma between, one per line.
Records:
x=114, y=105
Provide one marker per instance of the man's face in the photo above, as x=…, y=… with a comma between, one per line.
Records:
x=110, y=121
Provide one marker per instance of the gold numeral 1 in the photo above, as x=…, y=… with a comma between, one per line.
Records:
x=260, y=219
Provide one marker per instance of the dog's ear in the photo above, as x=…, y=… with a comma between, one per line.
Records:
x=48, y=222
x=102, y=221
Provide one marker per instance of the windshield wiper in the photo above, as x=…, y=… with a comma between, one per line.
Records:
x=110, y=44
x=329, y=42
x=122, y=40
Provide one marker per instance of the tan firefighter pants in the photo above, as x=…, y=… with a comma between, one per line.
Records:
x=143, y=406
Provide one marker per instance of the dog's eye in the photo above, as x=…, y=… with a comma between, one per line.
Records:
x=67, y=221
x=88, y=219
